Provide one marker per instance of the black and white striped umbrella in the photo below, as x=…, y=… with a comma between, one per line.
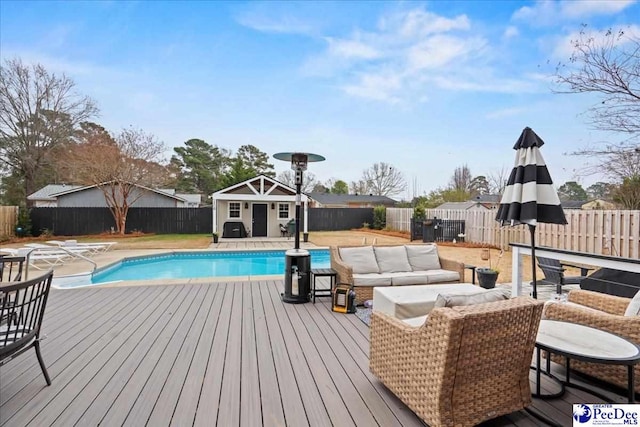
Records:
x=529, y=197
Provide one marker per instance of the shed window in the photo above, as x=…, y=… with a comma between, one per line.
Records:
x=234, y=209
x=283, y=211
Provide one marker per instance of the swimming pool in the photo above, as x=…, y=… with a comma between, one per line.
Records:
x=189, y=265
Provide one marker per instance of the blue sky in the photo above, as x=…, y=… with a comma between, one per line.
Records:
x=424, y=86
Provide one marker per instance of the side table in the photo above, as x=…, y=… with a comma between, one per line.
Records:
x=322, y=272
x=473, y=272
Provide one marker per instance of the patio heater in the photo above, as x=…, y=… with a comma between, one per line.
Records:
x=297, y=261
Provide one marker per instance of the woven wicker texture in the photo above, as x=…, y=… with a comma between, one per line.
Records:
x=465, y=365
x=611, y=320
x=364, y=293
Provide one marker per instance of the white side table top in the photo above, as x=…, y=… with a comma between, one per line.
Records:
x=572, y=339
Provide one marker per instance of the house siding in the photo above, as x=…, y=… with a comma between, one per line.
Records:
x=94, y=198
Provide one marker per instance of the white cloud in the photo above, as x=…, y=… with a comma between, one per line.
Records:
x=511, y=32
x=281, y=25
x=549, y=12
x=418, y=23
x=351, y=49
x=491, y=84
x=579, y=9
x=441, y=50
x=379, y=87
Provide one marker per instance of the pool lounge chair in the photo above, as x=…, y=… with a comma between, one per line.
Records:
x=93, y=247
x=40, y=260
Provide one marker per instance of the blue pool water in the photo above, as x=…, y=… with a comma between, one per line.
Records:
x=187, y=265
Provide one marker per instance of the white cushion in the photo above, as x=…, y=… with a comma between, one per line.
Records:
x=392, y=259
x=360, y=259
x=633, y=309
x=423, y=257
x=409, y=278
x=453, y=300
x=372, y=279
x=440, y=276
x=415, y=322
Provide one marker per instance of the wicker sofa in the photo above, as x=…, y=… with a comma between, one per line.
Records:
x=464, y=365
x=601, y=311
x=366, y=267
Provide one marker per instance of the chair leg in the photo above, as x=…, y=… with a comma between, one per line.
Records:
x=44, y=368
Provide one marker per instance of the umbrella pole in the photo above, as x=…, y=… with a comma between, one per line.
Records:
x=532, y=230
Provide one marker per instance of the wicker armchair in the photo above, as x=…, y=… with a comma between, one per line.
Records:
x=464, y=365
x=610, y=318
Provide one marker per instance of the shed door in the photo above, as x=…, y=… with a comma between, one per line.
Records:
x=259, y=220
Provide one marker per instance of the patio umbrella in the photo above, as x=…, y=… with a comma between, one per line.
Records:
x=529, y=197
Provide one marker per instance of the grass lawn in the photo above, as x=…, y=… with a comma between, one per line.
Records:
x=471, y=256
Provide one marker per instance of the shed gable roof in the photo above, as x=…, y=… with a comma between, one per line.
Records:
x=259, y=187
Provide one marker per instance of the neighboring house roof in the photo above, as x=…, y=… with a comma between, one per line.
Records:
x=87, y=187
x=47, y=192
x=488, y=198
x=460, y=205
x=337, y=199
x=190, y=198
x=572, y=204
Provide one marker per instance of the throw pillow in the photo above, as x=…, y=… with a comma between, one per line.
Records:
x=453, y=300
x=392, y=259
x=361, y=259
x=633, y=309
x=423, y=257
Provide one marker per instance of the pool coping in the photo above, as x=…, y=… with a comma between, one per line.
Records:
x=60, y=281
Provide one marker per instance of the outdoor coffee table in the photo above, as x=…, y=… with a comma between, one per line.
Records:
x=404, y=302
x=579, y=342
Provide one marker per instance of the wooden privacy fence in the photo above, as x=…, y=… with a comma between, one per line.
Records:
x=8, y=220
x=82, y=221
x=332, y=219
x=594, y=231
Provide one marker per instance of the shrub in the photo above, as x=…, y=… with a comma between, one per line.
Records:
x=379, y=217
x=24, y=222
x=366, y=225
x=419, y=212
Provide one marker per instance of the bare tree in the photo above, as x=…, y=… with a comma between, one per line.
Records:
x=309, y=180
x=498, y=180
x=607, y=65
x=461, y=179
x=359, y=187
x=384, y=180
x=122, y=167
x=38, y=112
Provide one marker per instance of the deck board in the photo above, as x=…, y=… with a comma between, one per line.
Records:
x=211, y=354
x=292, y=405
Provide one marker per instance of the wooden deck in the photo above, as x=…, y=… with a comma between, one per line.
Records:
x=223, y=354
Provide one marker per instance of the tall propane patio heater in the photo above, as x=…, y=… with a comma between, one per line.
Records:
x=297, y=261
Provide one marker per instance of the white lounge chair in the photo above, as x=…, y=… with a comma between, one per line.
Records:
x=54, y=249
x=93, y=247
x=49, y=258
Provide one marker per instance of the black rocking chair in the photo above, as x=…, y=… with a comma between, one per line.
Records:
x=22, y=307
x=554, y=270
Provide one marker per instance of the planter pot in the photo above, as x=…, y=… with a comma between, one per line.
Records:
x=487, y=278
x=215, y=238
